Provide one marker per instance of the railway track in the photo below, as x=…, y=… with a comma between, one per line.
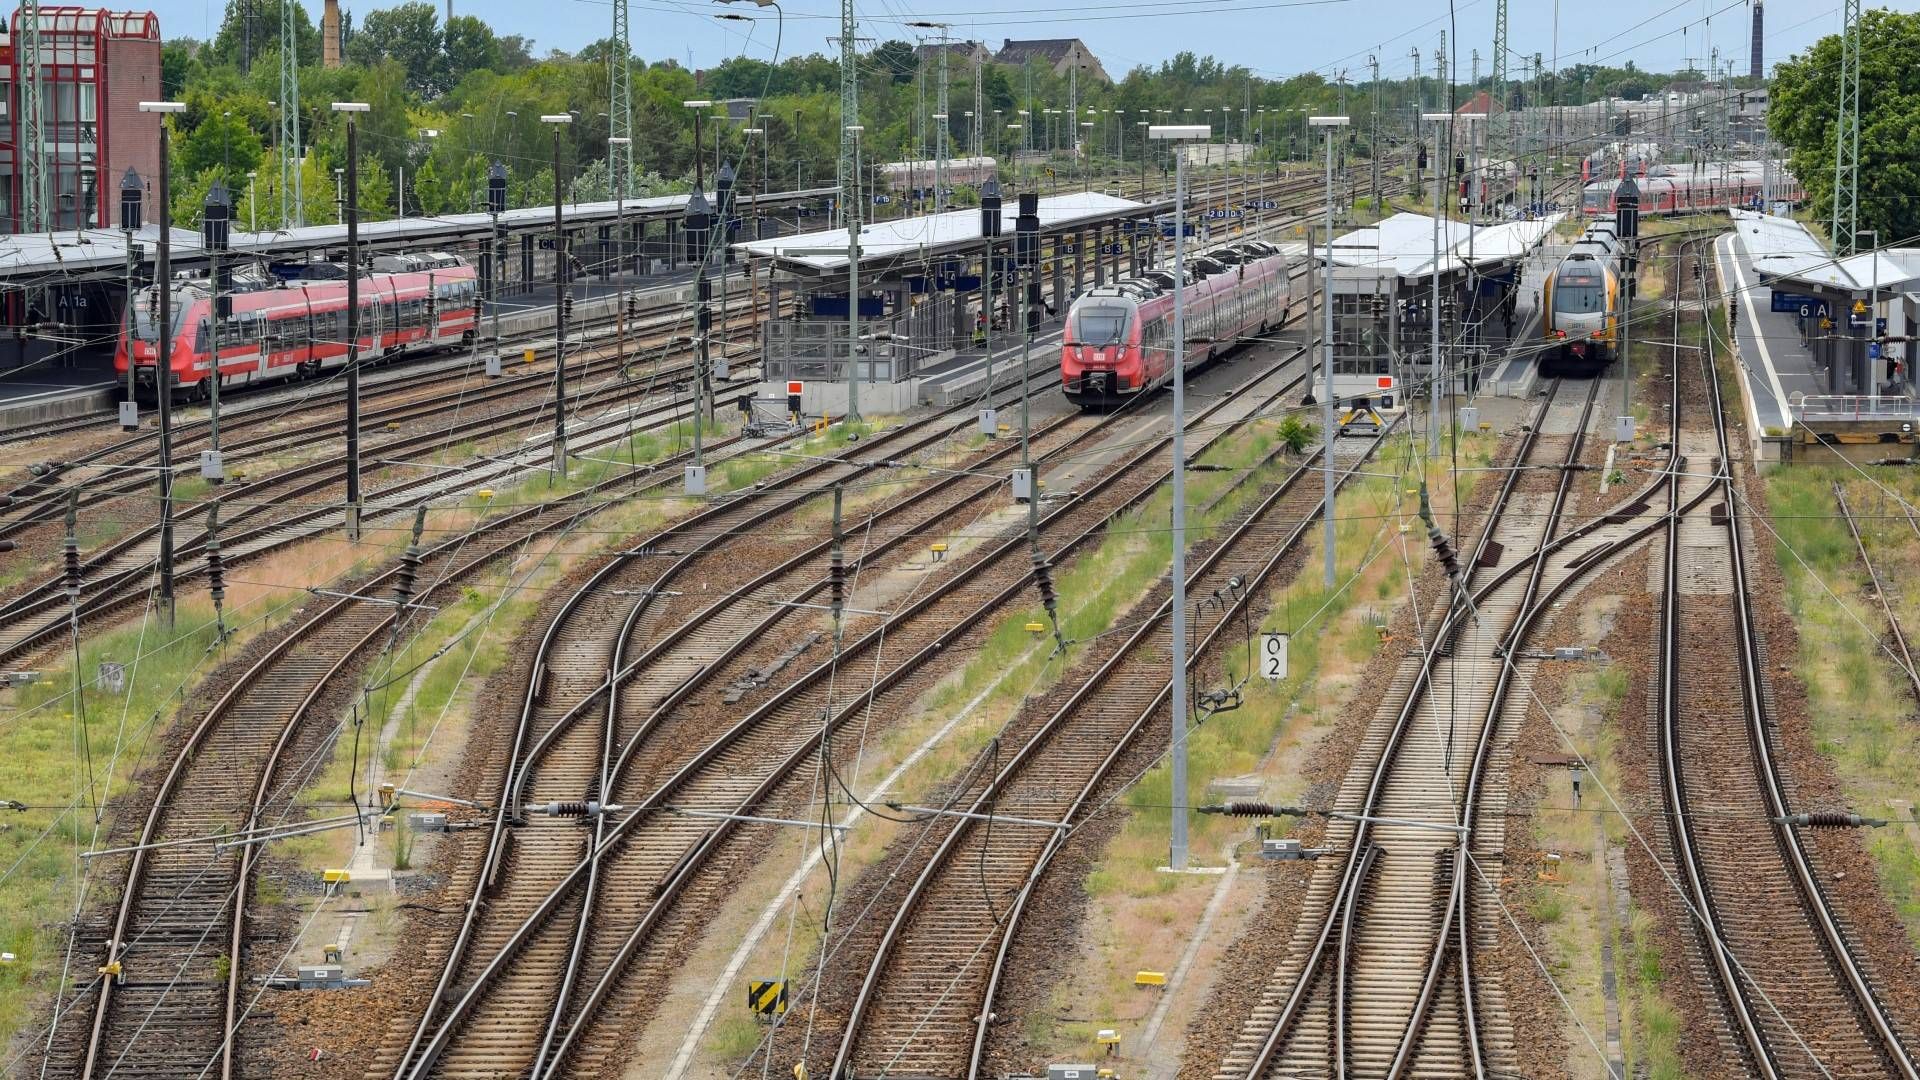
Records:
x=178, y=931
x=1379, y=979
x=1797, y=999
x=305, y=501
x=563, y=968
x=1896, y=634
x=926, y=1002
x=444, y=394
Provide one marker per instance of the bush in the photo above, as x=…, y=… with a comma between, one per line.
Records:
x=1298, y=434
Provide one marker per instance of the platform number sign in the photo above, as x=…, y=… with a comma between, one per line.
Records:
x=1273, y=656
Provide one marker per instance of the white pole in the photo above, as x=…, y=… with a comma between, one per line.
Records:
x=1326, y=352
x=1177, y=846
x=1433, y=365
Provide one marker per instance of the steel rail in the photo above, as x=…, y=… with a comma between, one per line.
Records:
x=668, y=891
x=1759, y=725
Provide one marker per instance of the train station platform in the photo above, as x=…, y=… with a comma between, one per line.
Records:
x=1384, y=278
x=44, y=391
x=1822, y=341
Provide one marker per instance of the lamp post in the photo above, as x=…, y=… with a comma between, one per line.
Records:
x=350, y=213
x=1178, y=133
x=851, y=218
x=1433, y=364
x=615, y=144
x=216, y=222
x=563, y=302
x=496, y=205
x=163, y=353
x=1326, y=348
x=132, y=192
x=1873, y=320
x=939, y=116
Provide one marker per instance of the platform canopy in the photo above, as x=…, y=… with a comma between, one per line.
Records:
x=1403, y=245
x=920, y=239
x=69, y=251
x=1784, y=252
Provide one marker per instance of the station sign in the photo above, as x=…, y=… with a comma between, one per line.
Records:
x=1792, y=303
x=1113, y=249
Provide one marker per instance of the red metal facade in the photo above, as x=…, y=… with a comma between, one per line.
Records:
x=96, y=67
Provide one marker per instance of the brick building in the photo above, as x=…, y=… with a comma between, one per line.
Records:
x=96, y=67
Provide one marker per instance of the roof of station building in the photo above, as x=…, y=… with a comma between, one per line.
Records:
x=1403, y=245
x=934, y=235
x=1783, y=249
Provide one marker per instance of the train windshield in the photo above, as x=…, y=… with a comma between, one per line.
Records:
x=146, y=317
x=1100, y=325
x=1579, y=297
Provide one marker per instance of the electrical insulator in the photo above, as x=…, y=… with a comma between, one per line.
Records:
x=566, y=305
x=410, y=562
x=1831, y=819
x=72, y=546
x=837, y=568
x=1442, y=546
x=1251, y=809
x=216, y=568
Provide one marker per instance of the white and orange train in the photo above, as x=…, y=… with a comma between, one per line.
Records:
x=1119, y=338
x=298, y=328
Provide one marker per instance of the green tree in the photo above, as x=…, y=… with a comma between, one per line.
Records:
x=223, y=144
x=176, y=66
x=408, y=34
x=895, y=59
x=376, y=191
x=470, y=46
x=231, y=42
x=1804, y=113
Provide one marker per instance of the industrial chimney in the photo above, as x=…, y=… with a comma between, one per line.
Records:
x=1757, y=64
x=330, y=34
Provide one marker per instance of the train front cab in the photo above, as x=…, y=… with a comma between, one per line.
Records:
x=1580, y=323
x=1102, y=353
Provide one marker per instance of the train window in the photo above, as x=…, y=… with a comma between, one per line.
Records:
x=1577, y=296
x=1100, y=325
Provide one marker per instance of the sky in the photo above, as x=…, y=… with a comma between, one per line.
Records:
x=1289, y=36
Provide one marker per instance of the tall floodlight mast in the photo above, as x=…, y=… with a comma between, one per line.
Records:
x=620, y=107
x=1499, y=133
x=290, y=156
x=1846, y=151
x=33, y=174
x=850, y=197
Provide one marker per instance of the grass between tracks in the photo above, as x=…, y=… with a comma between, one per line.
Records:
x=1100, y=592
x=421, y=692
x=1861, y=705
x=53, y=747
x=1145, y=919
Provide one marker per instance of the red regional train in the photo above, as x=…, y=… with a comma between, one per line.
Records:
x=298, y=329
x=1119, y=338
x=1666, y=189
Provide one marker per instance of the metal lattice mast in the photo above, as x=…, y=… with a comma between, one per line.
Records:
x=940, y=134
x=849, y=116
x=620, y=107
x=33, y=174
x=1846, y=151
x=979, y=107
x=290, y=155
x=1500, y=146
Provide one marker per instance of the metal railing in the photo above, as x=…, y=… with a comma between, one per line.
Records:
x=1854, y=407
